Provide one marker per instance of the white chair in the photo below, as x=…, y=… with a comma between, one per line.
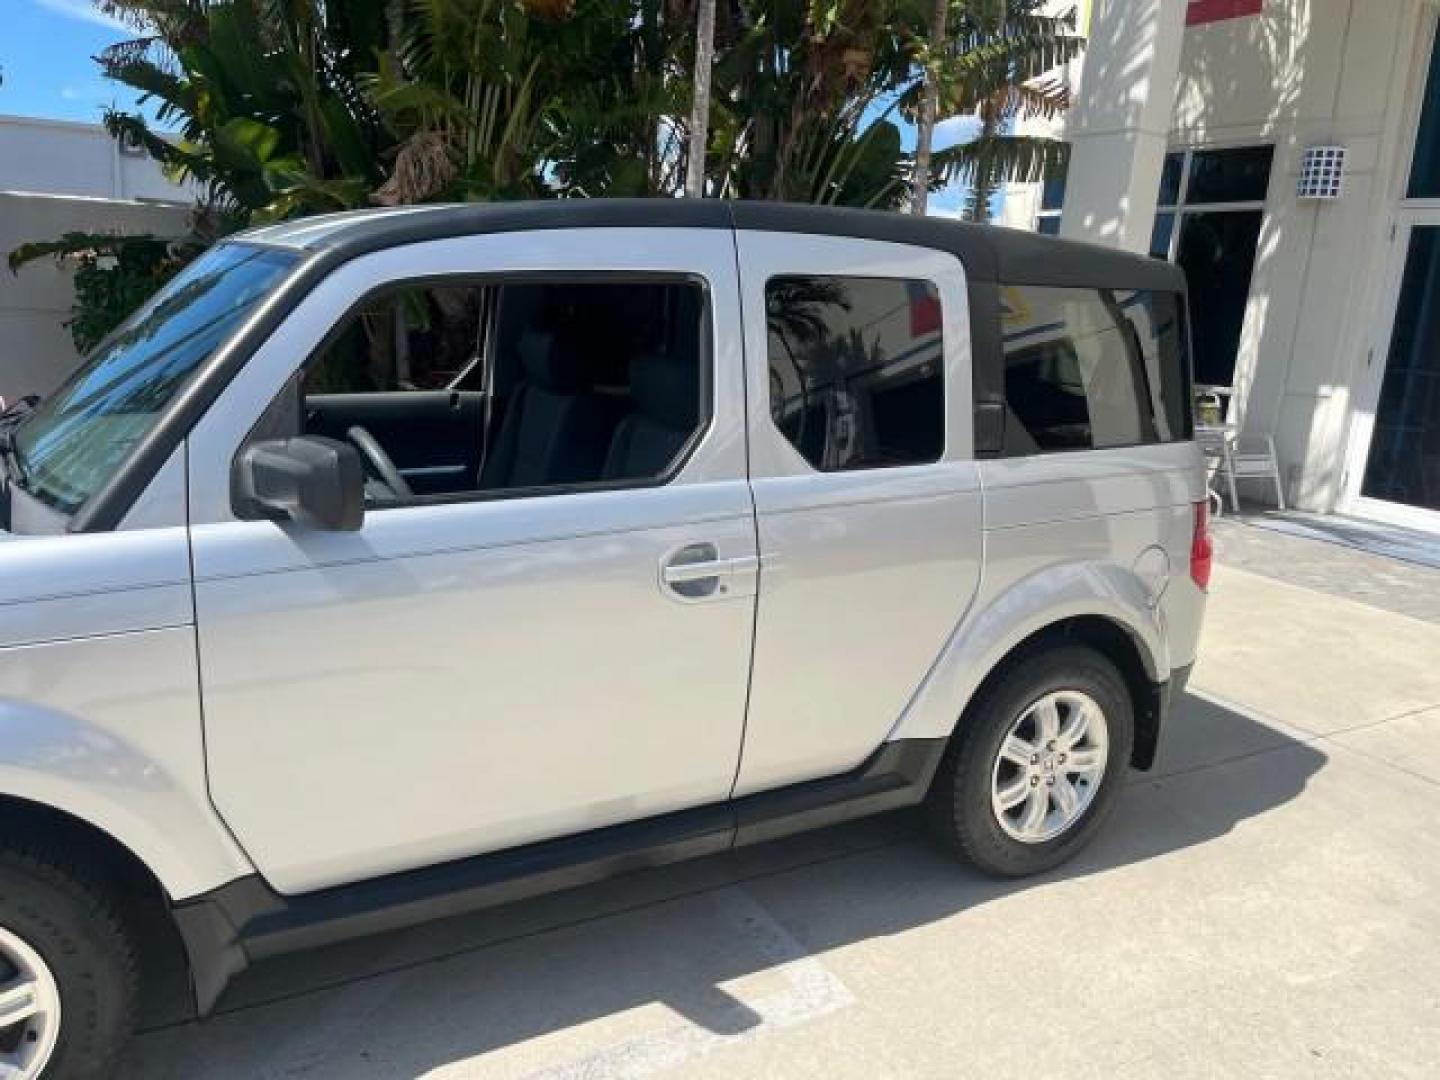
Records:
x=1251, y=457
x=1212, y=441
x=1230, y=455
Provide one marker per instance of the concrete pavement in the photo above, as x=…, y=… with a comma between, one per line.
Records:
x=1256, y=544
x=1265, y=903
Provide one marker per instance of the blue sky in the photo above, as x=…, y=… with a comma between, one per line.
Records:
x=45, y=54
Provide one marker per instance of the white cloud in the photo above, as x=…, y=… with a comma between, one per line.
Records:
x=85, y=11
x=85, y=91
x=956, y=129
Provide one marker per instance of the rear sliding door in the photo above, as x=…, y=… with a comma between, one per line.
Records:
x=866, y=491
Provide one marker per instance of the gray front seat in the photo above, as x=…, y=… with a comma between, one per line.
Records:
x=556, y=430
x=666, y=396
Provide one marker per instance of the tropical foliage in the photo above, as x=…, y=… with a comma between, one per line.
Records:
x=277, y=108
x=113, y=276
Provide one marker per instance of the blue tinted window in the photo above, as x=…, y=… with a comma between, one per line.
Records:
x=1404, y=463
x=1170, y=177
x=1217, y=252
x=1160, y=235
x=1052, y=191
x=80, y=435
x=1425, y=173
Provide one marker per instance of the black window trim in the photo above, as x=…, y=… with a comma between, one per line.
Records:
x=946, y=450
x=273, y=421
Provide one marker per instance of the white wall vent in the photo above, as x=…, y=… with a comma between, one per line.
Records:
x=1322, y=173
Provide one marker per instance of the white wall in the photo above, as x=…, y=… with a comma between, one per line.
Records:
x=58, y=177
x=35, y=348
x=1117, y=126
x=57, y=157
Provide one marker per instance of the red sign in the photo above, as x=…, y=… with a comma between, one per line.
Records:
x=1208, y=11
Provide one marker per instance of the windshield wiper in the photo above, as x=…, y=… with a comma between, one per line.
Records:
x=10, y=463
x=10, y=458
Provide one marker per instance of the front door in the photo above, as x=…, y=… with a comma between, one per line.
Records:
x=1395, y=461
x=556, y=643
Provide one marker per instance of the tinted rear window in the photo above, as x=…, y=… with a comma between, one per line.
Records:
x=857, y=370
x=1093, y=368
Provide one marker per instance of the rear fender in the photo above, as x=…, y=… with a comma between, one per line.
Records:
x=996, y=625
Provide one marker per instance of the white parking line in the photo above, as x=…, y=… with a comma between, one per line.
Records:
x=810, y=992
x=629, y=995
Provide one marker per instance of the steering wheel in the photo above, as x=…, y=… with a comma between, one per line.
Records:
x=378, y=462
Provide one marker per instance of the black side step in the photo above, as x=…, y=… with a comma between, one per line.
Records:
x=245, y=920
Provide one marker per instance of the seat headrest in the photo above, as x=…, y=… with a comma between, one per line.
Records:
x=666, y=391
x=551, y=365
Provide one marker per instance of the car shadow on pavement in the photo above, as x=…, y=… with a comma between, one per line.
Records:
x=669, y=947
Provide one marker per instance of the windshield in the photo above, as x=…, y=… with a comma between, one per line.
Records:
x=77, y=438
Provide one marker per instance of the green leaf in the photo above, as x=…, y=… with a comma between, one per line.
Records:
x=247, y=136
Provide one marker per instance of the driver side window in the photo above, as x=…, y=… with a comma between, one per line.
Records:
x=409, y=338
x=473, y=389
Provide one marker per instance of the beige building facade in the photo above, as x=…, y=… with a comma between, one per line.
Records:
x=1190, y=133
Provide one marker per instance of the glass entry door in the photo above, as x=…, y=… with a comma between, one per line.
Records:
x=1400, y=478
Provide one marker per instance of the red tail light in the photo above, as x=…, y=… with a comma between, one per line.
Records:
x=1202, y=548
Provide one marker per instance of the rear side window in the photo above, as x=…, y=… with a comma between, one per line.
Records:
x=857, y=370
x=1093, y=368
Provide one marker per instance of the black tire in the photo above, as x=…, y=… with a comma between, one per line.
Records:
x=65, y=918
x=959, y=802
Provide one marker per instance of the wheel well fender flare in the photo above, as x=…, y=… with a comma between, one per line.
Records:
x=120, y=793
x=1105, y=605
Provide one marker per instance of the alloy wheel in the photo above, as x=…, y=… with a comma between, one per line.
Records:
x=1049, y=767
x=29, y=1009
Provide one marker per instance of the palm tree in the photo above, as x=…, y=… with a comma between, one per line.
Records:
x=263, y=96
x=277, y=108
x=700, y=108
x=929, y=106
x=998, y=65
x=797, y=95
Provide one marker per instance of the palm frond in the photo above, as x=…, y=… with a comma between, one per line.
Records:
x=1012, y=159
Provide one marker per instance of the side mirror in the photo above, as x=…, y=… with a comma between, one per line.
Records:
x=314, y=481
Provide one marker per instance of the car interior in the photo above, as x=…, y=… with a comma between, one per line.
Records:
x=509, y=387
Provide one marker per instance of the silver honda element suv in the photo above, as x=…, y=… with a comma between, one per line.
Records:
x=393, y=564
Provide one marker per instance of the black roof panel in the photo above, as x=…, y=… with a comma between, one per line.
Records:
x=988, y=252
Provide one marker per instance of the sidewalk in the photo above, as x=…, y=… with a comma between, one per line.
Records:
x=1256, y=544
x=1264, y=903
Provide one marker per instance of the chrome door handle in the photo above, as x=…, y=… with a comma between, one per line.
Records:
x=679, y=573
x=696, y=572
